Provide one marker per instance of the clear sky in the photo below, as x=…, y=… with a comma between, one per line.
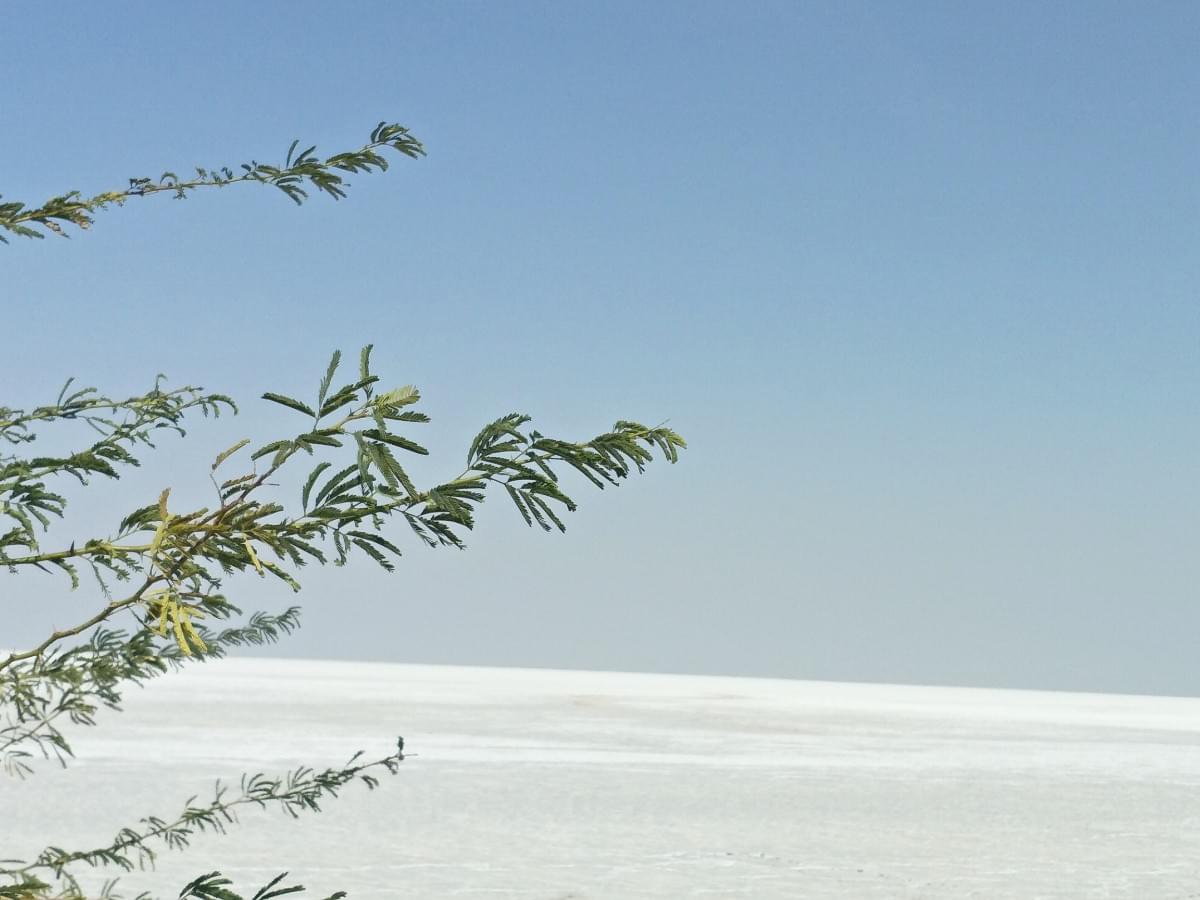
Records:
x=919, y=283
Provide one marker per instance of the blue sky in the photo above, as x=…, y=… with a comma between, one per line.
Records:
x=918, y=283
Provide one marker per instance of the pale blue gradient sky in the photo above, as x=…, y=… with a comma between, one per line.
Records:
x=918, y=281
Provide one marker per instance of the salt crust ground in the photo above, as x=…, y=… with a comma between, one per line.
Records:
x=552, y=785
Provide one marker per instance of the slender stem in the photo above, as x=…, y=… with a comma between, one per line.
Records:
x=101, y=548
x=217, y=806
x=46, y=213
x=96, y=619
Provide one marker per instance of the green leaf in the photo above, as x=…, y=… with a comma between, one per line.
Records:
x=409, y=415
x=225, y=454
x=71, y=571
x=402, y=396
x=282, y=454
x=376, y=539
x=289, y=402
x=210, y=885
x=395, y=470
x=269, y=448
x=266, y=892
x=370, y=544
x=328, y=379
x=364, y=362
x=396, y=441
x=335, y=483
x=323, y=438
x=378, y=455
x=516, y=499
x=342, y=398
x=550, y=514
x=280, y=573
x=312, y=479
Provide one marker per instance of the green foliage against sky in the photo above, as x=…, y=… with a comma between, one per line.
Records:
x=298, y=173
x=165, y=576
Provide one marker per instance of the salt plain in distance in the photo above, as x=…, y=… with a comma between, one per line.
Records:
x=551, y=785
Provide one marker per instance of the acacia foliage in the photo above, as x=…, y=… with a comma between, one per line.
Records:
x=159, y=578
x=296, y=175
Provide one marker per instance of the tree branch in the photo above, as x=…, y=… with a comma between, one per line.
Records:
x=297, y=172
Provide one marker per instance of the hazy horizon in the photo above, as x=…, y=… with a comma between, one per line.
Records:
x=278, y=653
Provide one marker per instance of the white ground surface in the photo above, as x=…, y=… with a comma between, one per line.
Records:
x=555, y=785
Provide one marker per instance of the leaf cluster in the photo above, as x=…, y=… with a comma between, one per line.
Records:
x=161, y=572
x=298, y=791
x=27, y=498
x=297, y=175
x=37, y=696
x=355, y=439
